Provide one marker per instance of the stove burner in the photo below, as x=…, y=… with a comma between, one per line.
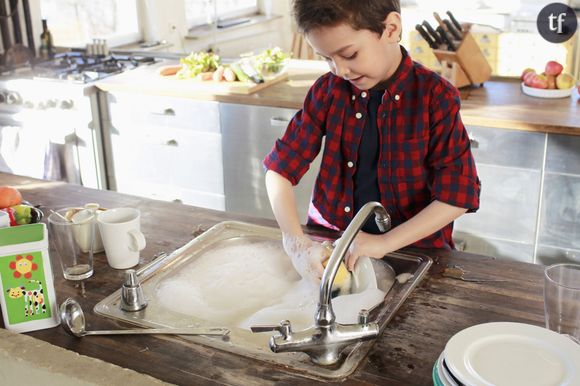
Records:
x=80, y=68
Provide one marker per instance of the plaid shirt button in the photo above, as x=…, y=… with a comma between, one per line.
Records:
x=363, y=94
x=358, y=115
x=349, y=164
x=353, y=97
x=347, y=209
x=397, y=97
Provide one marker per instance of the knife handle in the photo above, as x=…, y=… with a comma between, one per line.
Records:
x=439, y=20
x=446, y=38
x=426, y=36
x=454, y=21
x=432, y=32
x=456, y=34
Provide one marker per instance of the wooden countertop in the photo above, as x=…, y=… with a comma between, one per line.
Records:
x=404, y=354
x=499, y=103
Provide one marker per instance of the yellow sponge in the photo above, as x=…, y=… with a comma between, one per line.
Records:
x=342, y=281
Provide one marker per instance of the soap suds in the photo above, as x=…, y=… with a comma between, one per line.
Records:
x=244, y=284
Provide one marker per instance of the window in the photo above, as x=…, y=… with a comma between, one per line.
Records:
x=205, y=11
x=74, y=23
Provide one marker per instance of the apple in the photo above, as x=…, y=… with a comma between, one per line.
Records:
x=553, y=68
x=551, y=81
x=525, y=72
x=528, y=78
x=539, y=81
x=565, y=81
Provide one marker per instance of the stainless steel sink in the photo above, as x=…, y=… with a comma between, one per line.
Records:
x=241, y=341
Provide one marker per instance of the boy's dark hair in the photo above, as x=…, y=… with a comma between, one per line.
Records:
x=359, y=14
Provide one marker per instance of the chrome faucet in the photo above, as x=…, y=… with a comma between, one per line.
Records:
x=325, y=341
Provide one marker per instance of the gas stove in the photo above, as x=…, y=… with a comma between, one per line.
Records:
x=79, y=68
x=50, y=117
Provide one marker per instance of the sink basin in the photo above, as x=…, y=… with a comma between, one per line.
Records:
x=236, y=275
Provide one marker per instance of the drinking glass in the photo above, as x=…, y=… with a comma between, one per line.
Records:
x=562, y=299
x=73, y=244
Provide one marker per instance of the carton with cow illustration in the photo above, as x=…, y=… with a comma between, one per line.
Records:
x=28, y=299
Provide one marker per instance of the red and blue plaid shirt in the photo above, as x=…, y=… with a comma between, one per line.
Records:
x=424, y=148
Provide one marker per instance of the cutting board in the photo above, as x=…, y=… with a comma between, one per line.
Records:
x=211, y=86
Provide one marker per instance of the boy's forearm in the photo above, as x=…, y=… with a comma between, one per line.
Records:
x=283, y=202
x=428, y=221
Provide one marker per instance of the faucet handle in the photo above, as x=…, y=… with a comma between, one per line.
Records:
x=284, y=328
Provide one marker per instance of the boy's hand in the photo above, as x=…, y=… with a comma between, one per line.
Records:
x=365, y=244
x=306, y=255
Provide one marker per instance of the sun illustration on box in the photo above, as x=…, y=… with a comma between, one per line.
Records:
x=23, y=266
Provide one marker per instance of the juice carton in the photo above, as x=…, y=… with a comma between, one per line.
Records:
x=27, y=298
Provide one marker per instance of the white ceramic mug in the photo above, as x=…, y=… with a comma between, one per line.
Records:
x=122, y=238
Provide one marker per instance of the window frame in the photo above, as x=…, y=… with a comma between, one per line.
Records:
x=245, y=11
x=118, y=39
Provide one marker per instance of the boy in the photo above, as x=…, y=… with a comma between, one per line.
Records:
x=392, y=132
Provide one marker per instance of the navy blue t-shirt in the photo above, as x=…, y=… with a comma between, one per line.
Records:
x=366, y=183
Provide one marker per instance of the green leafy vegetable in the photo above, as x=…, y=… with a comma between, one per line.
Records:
x=271, y=60
x=196, y=63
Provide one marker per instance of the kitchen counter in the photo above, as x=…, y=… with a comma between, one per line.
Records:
x=404, y=354
x=499, y=103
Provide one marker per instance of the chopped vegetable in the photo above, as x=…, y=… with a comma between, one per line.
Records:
x=196, y=63
x=241, y=75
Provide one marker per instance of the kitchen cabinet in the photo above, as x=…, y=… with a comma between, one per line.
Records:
x=248, y=134
x=530, y=197
x=509, y=164
x=165, y=148
x=421, y=52
x=559, y=227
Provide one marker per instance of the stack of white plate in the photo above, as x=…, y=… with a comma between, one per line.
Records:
x=511, y=354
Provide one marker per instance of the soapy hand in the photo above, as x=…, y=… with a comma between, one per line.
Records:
x=365, y=244
x=306, y=255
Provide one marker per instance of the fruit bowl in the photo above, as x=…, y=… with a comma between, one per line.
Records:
x=547, y=93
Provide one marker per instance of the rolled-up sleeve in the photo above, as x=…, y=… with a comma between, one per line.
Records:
x=292, y=154
x=454, y=179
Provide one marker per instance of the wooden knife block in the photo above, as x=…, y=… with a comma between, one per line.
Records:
x=466, y=65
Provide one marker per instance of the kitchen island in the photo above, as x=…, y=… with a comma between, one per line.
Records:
x=404, y=353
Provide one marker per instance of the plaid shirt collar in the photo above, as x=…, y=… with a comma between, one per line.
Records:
x=395, y=85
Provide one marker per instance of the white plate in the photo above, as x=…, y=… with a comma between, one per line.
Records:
x=512, y=354
x=546, y=93
x=442, y=372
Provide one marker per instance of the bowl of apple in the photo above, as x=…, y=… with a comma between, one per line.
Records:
x=552, y=83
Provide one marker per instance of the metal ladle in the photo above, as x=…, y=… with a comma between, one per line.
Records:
x=72, y=320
